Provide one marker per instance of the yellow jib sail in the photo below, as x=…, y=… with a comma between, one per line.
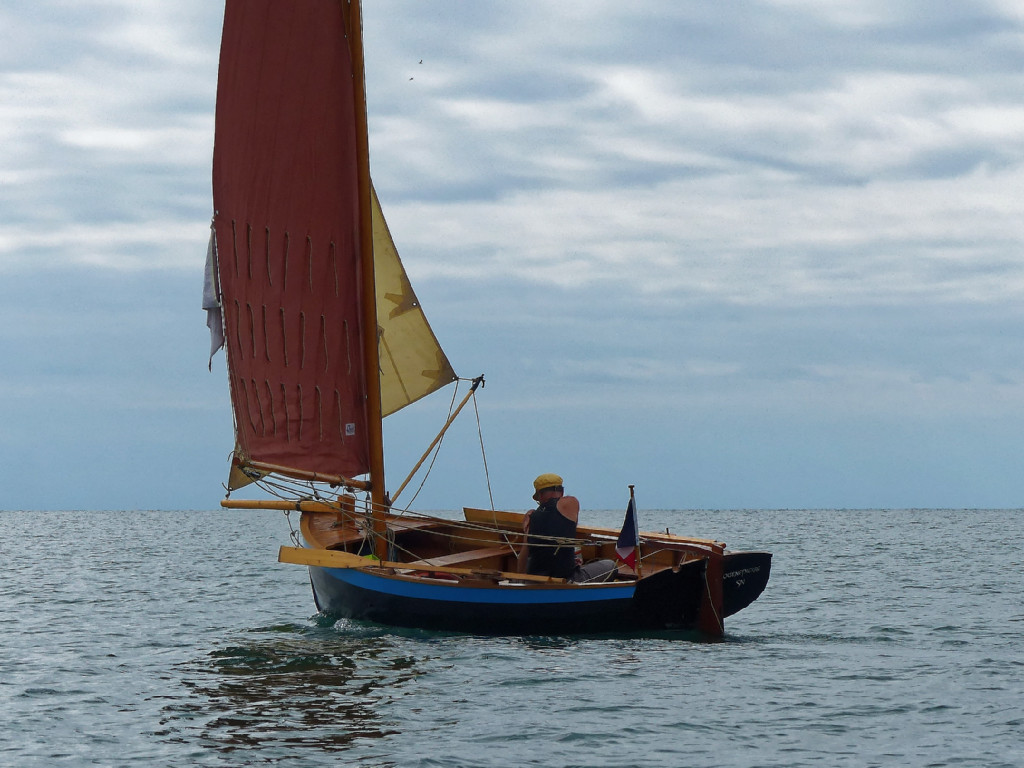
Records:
x=412, y=363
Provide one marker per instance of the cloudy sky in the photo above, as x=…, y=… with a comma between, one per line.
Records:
x=756, y=254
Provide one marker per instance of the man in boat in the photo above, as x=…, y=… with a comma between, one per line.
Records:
x=555, y=518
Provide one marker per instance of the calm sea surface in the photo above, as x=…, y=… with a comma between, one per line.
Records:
x=888, y=638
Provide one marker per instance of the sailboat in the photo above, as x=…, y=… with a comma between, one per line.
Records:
x=324, y=337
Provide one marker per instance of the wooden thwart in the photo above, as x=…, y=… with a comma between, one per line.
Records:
x=459, y=557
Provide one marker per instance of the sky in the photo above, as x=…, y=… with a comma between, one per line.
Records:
x=762, y=254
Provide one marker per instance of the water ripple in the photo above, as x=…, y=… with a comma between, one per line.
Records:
x=125, y=644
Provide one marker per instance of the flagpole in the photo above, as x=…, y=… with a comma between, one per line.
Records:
x=636, y=523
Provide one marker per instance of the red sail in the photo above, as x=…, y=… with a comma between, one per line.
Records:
x=286, y=203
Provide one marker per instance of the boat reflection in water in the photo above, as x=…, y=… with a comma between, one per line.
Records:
x=313, y=688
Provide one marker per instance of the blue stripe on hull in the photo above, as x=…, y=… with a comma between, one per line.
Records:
x=452, y=593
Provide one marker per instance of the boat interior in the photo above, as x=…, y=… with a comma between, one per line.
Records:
x=483, y=545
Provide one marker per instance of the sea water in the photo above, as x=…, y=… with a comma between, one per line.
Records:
x=884, y=638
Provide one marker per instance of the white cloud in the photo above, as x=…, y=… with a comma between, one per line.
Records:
x=873, y=181
x=108, y=122
x=145, y=245
x=758, y=237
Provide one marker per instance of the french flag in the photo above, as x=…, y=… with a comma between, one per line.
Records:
x=629, y=537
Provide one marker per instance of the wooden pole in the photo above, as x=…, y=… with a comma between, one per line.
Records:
x=299, y=474
x=371, y=353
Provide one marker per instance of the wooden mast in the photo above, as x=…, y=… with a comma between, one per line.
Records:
x=368, y=288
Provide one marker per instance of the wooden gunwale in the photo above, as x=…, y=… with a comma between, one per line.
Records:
x=514, y=520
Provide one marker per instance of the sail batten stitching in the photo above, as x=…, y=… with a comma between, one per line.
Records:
x=252, y=328
x=299, y=435
x=238, y=328
x=323, y=338
x=284, y=266
x=259, y=406
x=284, y=338
x=273, y=414
x=248, y=404
x=270, y=276
x=266, y=335
x=302, y=340
x=248, y=248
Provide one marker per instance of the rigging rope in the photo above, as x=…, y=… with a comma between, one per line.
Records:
x=437, y=448
x=711, y=602
x=483, y=451
x=297, y=491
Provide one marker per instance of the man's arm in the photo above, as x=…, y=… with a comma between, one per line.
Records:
x=569, y=507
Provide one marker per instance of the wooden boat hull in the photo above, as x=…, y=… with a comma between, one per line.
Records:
x=669, y=599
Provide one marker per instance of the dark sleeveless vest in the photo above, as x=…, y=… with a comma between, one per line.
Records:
x=550, y=560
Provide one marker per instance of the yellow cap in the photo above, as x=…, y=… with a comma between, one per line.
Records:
x=547, y=480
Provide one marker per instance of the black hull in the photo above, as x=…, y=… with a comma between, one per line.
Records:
x=667, y=600
x=744, y=577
